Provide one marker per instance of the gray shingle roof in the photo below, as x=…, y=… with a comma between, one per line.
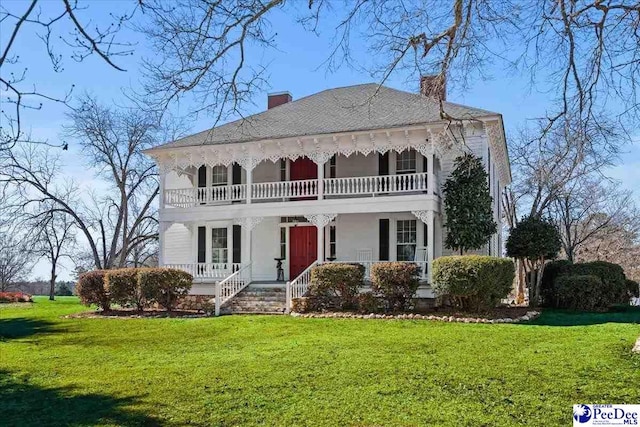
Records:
x=345, y=109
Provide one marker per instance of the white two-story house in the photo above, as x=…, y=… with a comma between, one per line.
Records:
x=348, y=174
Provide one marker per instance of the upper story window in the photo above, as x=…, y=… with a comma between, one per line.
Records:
x=406, y=162
x=219, y=175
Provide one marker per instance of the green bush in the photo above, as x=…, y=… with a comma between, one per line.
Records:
x=122, y=287
x=473, y=282
x=614, y=286
x=580, y=292
x=91, y=290
x=336, y=285
x=165, y=286
x=396, y=283
x=633, y=289
x=552, y=271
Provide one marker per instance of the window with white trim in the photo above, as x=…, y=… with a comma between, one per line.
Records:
x=218, y=176
x=219, y=251
x=406, y=236
x=406, y=162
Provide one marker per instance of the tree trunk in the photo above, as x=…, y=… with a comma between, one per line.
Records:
x=52, y=284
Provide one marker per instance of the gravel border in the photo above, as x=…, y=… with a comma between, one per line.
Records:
x=527, y=317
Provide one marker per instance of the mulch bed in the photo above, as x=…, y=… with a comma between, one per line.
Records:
x=135, y=314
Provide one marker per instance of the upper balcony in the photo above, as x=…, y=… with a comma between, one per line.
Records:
x=301, y=190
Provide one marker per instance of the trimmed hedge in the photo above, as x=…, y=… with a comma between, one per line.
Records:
x=612, y=287
x=580, y=292
x=138, y=287
x=336, y=285
x=369, y=303
x=90, y=289
x=473, y=282
x=164, y=286
x=15, y=297
x=552, y=270
x=122, y=287
x=396, y=283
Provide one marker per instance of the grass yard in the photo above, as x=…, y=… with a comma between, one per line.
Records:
x=261, y=370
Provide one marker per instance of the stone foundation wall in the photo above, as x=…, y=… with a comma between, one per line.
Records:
x=196, y=302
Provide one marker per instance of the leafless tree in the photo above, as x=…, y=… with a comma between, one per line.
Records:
x=16, y=258
x=588, y=208
x=587, y=51
x=66, y=29
x=121, y=215
x=54, y=239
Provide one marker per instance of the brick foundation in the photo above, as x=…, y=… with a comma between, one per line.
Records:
x=196, y=302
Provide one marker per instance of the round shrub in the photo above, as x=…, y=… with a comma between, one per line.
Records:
x=91, y=290
x=336, y=285
x=614, y=286
x=122, y=287
x=473, y=282
x=580, y=292
x=396, y=283
x=552, y=271
x=165, y=286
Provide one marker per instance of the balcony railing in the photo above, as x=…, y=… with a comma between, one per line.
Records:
x=363, y=186
x=212, y=271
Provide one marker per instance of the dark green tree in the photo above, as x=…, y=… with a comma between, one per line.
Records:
x=534, y=240
x=467, y=204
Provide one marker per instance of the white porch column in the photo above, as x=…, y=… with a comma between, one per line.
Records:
x=162, y=181
x=249, y=183
x=248, y=164
x=162, y=228
x=427, y=217
x=248, y=224
x=320, y=221
x=320, y=158
x=430, y=175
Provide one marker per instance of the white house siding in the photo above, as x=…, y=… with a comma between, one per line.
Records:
x=178, y=245
x=173, y=181
x=265, y=246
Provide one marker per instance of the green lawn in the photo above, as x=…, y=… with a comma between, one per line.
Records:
x=261, y=370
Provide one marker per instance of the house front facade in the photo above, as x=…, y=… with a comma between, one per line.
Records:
x=351, y=174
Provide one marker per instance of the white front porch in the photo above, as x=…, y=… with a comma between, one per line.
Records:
x=212, y=250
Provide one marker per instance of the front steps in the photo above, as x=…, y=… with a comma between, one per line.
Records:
x=258, y=299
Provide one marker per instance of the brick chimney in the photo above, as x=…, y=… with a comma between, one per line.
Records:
x=434, y=86
x=276, y=99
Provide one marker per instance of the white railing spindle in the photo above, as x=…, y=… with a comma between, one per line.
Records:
x=299, y=286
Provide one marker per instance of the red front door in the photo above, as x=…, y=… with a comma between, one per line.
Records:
x=303, y=243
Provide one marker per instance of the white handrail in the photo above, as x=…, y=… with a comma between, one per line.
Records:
x=229, y=287
x=194, y=196
x=204, y=270
x=299, y=286
x=284, y=189
x=375, y=184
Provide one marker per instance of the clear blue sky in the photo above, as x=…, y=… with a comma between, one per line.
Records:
x=296, y=66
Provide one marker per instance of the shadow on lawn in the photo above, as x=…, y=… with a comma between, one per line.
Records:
x=24, y=404
x=21, y=327
x=573, y=318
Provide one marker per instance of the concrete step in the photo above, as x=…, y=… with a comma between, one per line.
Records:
x=257, y=299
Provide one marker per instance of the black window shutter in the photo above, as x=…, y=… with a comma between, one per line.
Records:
x=425, y=238
x=237, y=244
x=383, y=163
x=236, y=174
x=425, y=164
x=202, y=245
x=384, y=240
x=202, y=176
